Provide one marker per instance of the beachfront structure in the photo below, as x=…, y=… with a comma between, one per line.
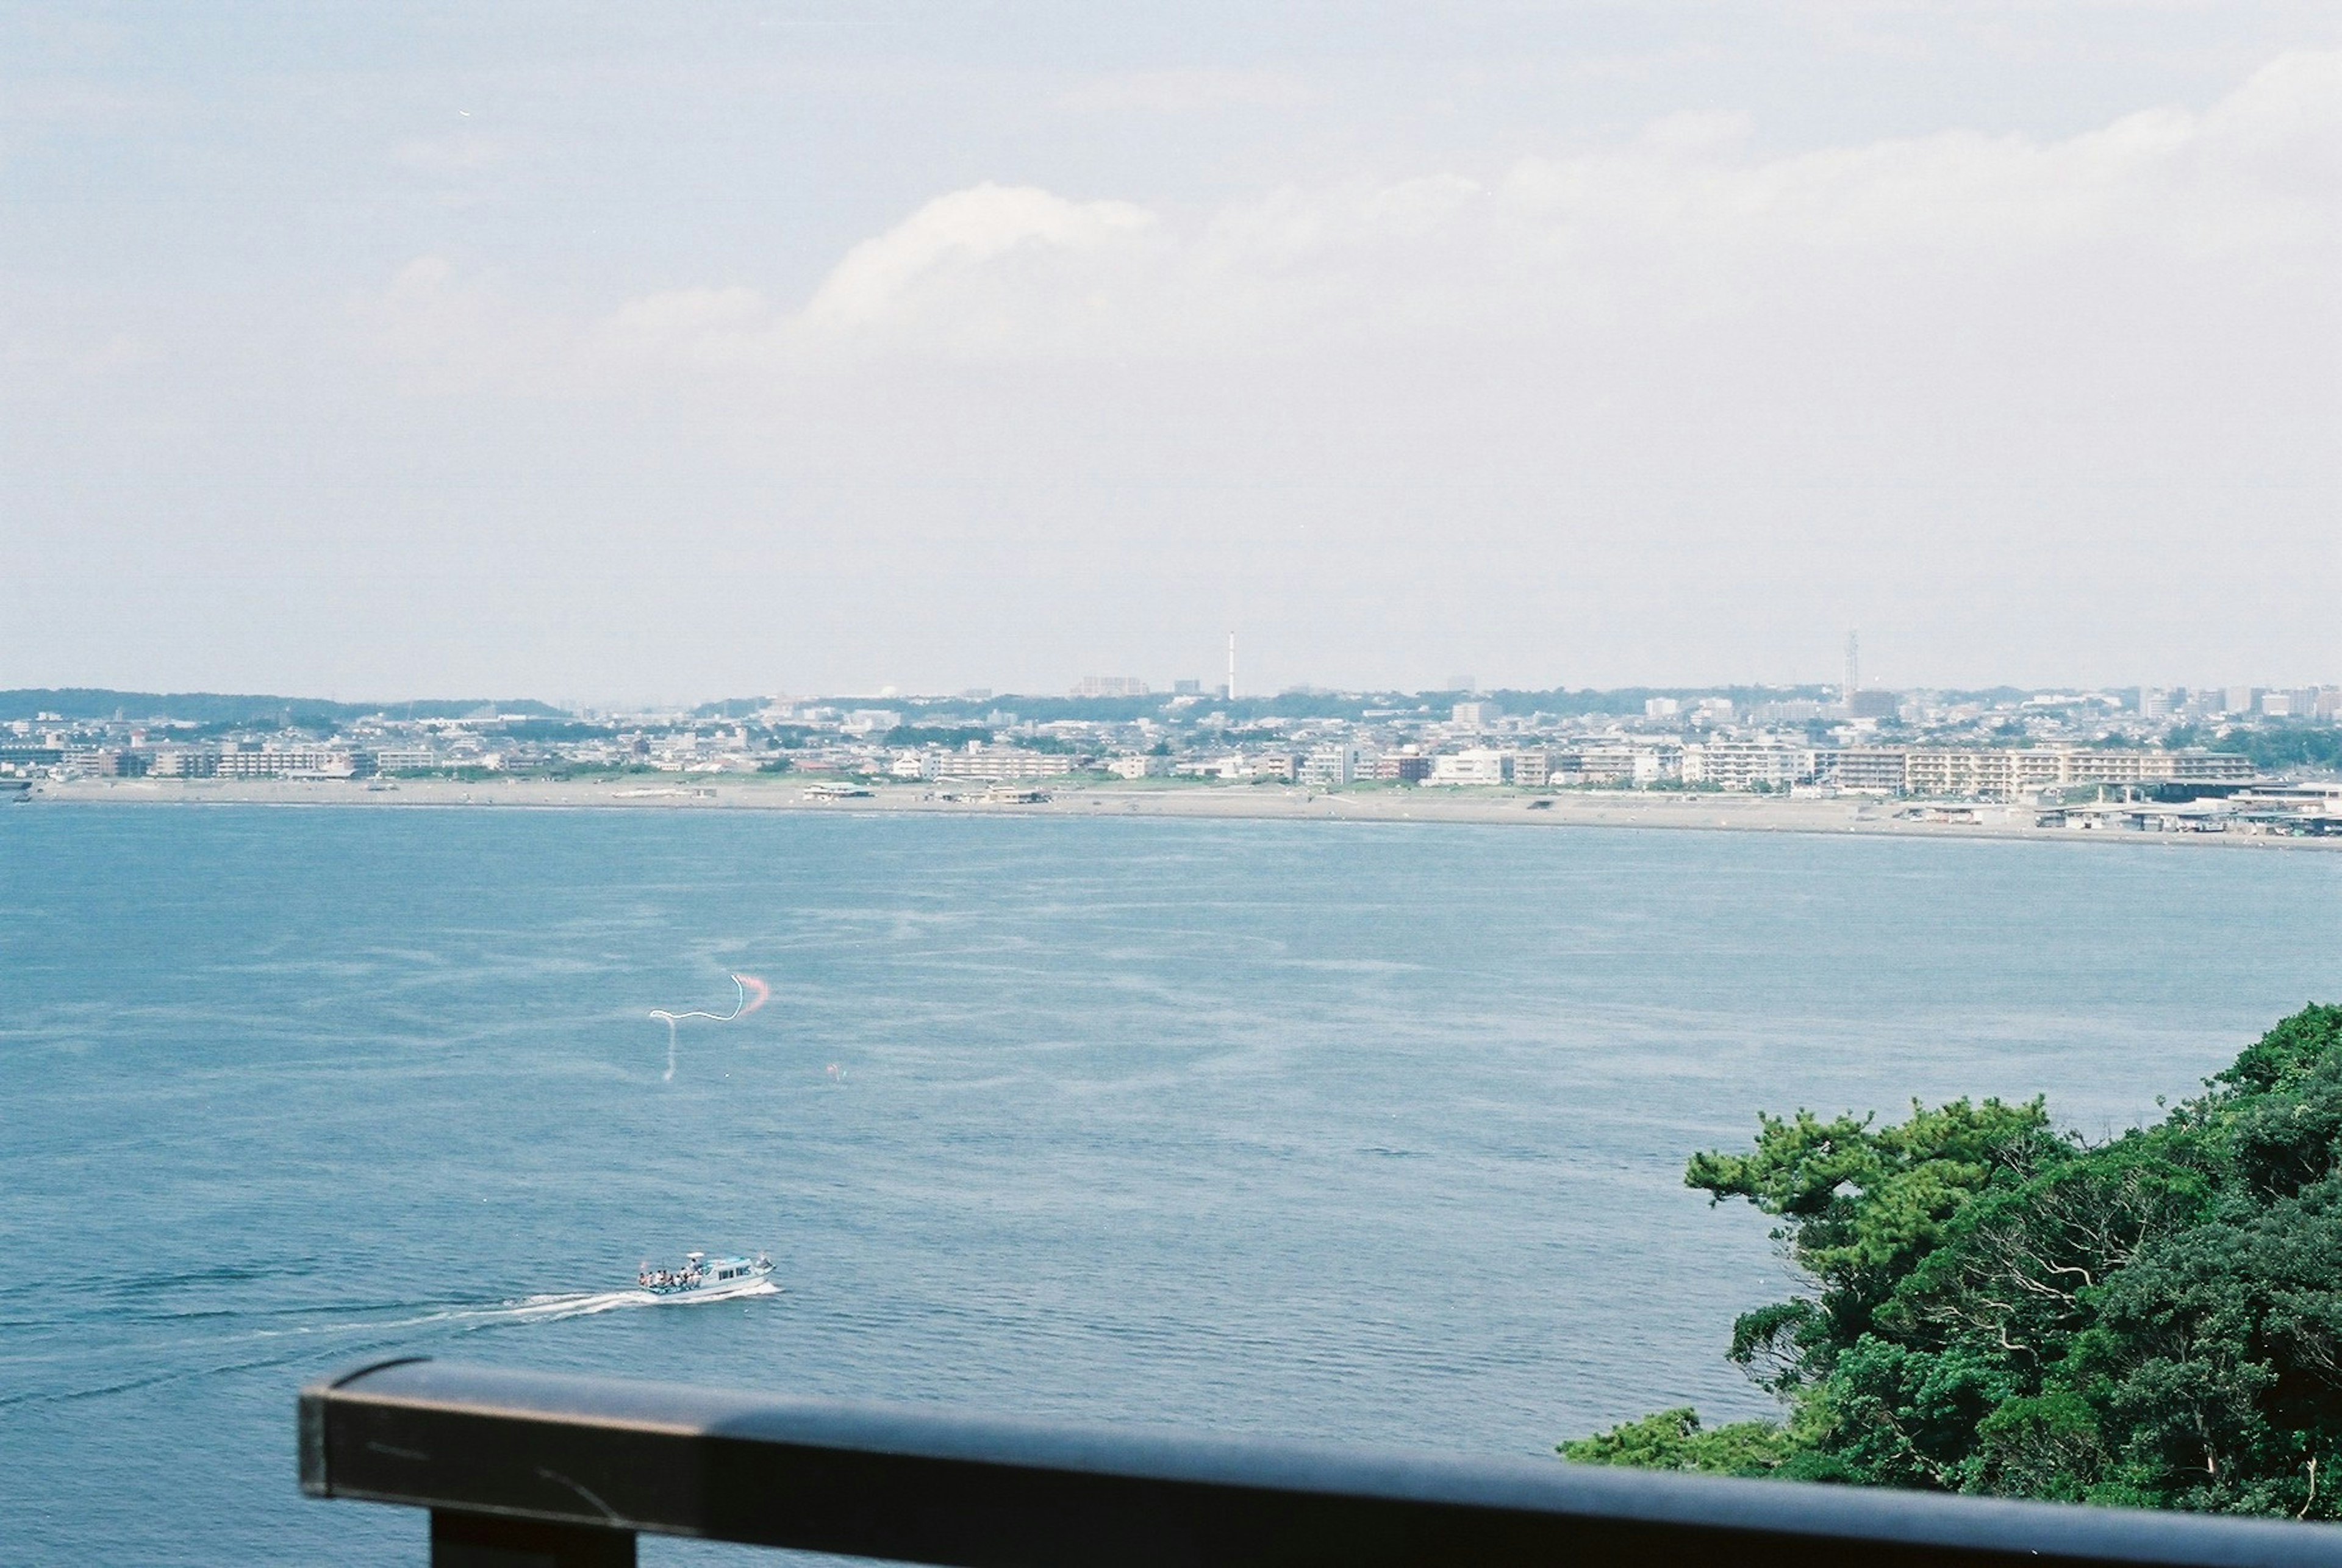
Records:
x=1747, y=764
x=262, y=763
x=1863, y=770
x=1329, y=767
x=1981, y=773
x=1616, y=764
x=1139, y=765
x=980, y=761
x=1399, y=767
x=1477, y=766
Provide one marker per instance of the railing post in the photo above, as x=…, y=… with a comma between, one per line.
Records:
x=483, y=1541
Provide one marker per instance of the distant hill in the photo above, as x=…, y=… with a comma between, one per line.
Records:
x=227, y=708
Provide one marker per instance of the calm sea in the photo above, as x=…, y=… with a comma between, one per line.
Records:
x=1353, y=1132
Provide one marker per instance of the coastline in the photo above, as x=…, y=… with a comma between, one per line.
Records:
x=733, y=792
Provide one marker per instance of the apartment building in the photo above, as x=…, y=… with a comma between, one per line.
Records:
x=1747, y=764
x=1139, y=765
x=1866, y=770
x=1330, y=767
x=994, y=762
x=1989, y=774
x=1399, y=767
x=1619, y=764
x=1475, y=765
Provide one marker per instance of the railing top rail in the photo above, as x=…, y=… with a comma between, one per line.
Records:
x=926, y=1485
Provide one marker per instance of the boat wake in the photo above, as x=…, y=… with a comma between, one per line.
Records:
x=554, y=1307
x=77, y=1374
x=551, y=1308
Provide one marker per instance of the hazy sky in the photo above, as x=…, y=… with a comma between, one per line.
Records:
x=377, y=350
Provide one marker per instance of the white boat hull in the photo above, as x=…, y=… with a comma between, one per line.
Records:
x=720, y=1290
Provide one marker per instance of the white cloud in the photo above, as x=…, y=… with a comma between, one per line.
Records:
x=967, y=241
x=1683, y=221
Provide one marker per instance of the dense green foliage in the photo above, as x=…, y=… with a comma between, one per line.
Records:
x=2273, y=748
x=227, y=710
x=2279, y=748
x=1998, y=1307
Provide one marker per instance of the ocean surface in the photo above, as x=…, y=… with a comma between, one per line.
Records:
x=1369, y=1133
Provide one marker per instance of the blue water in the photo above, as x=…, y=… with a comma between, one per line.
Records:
x=1354, y=1131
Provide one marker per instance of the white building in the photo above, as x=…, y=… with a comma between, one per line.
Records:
x=291, y=762
x=1330, y=767
x=1747, y=764
x=1980, y=773
x=1139, y=765
x=1616, y=763
x=988, y=762
x=1477, y=766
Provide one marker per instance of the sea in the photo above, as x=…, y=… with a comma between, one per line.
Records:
x=1364, y=1133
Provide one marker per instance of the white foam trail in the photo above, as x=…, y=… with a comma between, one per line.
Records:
x=573, y=1304
x=527, y=1309
x=742, y=1003
x=582, y=1304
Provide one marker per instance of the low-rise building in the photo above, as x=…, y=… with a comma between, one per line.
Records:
x=1280, y=765
x=1139, y=765
x=1475, y=765
x=1399, y=767
x=980, y=761
x=291, y=762
x=1986, y=773
x=1617, y=763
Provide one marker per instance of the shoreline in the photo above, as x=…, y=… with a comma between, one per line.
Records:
x=732, y=791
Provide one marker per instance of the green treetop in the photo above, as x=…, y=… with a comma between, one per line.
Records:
x=1998, y=1308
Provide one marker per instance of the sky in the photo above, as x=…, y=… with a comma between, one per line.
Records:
x=625, y=353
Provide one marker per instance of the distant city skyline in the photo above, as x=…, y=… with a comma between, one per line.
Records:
x=403, y=350
x=2314, y=700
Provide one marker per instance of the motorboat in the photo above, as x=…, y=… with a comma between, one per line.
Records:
x=705, y=1278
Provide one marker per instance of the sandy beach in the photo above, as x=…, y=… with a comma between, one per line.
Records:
x=711, y=791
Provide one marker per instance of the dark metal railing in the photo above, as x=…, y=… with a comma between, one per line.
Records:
x=531, y=1468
